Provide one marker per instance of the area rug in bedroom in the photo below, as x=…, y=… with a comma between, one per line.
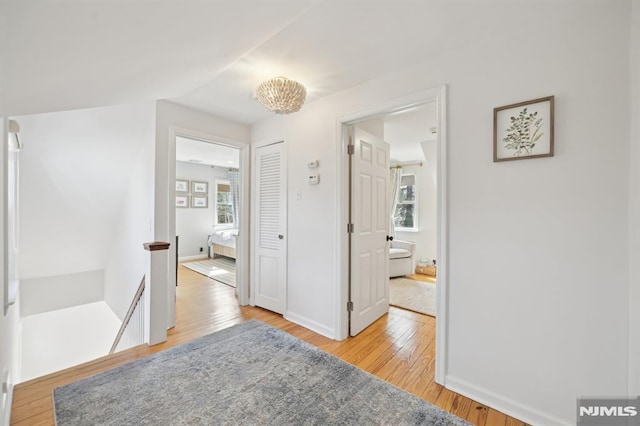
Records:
x=418, y=296
x=220, y=269
x=250, y=373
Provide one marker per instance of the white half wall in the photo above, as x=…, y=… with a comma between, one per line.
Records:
x=38, y=295
x=538, y=249
x=88, y=331
x=193, y=225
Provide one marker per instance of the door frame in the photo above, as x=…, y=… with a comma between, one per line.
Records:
x=438, y=95
x=242, y=258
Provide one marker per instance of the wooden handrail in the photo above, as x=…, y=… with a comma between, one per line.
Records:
x=127, y=318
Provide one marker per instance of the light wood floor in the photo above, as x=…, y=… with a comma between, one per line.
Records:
x=398, y=348
x=422, y=277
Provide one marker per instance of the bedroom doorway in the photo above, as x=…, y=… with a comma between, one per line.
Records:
x=412, y=138
x=371, y=120
x=208, y=212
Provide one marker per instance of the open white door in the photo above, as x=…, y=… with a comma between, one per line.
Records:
x=369, y=287
x=269, y=258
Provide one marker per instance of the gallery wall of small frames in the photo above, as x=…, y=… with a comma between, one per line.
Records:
x=194, y=194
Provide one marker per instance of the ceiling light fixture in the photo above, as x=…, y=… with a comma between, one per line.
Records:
x=281, y=95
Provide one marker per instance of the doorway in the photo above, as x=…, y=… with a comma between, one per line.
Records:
x=437, y=97
x=412, y=138
x=209, y=211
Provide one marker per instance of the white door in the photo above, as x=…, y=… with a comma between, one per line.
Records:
x=370, y=218
x=269, y=270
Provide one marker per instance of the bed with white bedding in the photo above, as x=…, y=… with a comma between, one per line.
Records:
x=223, y=243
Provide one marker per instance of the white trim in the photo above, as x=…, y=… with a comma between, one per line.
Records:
x=503, y=403
x=242, y=261
x=310, y=324
x=442, y=239
x=8, y=403
x=196, y=257
x=341, y=295
x=244, y=217
x=4, y=138
x=439, y=94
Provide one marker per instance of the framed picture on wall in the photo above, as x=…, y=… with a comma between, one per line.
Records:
x=199, y=202
x=199, y=187
x=523, y=130
x=182, y=186
x=182, y=201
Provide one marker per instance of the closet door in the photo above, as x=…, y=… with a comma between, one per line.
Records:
x=269, y=271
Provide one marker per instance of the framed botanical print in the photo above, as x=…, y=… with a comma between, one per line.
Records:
x=523, y=130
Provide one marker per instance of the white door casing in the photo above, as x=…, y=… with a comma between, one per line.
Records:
x=370, y=218
x=269, y=260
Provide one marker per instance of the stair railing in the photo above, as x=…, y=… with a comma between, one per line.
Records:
x=131, y=331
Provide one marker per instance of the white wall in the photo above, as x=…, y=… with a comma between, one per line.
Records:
x=194, y=225
x=74, y=173
x=127, y=261
x=538, y=249
x=70, y=290
x=88, y=331
x=634, y=206
x=9, y=336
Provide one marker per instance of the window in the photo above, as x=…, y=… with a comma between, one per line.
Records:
x=224, y=203
x=406, y=215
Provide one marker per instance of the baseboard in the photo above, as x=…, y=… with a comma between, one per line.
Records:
x=196, y=257
x=501, y=403
x=310, y=324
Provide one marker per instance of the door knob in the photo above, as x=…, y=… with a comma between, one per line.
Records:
x=280, y=236
x=389, y=238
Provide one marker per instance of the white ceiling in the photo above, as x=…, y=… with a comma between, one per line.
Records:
x=200, y=152
x=405, y=131
x=211, y=55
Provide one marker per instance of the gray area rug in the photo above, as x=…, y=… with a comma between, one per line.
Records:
x=418, y=296
x=249, y=374
x=219, y=269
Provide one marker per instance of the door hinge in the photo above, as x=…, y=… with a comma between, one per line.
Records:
x=350, y=306
x=351, y=149
x=350, y=228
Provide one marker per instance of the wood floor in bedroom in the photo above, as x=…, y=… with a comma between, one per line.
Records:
x=398, y=348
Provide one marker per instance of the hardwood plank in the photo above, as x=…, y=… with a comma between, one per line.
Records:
x=445, y=399
x=461, y=406
x=477, y=415
x=399, y=347
x=495, y=418
x=514, y=422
